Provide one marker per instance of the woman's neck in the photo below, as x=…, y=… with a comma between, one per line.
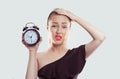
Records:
x=58, y=48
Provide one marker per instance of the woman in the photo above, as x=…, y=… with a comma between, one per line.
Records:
x=59, y=62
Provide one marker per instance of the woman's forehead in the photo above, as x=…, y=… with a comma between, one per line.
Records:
x=58, y=22
x=59, y=17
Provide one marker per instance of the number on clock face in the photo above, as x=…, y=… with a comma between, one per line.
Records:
x=30, y=37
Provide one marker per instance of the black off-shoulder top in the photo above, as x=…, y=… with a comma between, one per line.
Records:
x=67, y=67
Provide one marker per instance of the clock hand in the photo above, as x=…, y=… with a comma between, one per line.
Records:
x=31, y=40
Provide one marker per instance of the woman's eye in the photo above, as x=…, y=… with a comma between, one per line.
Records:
x=64, y=26
x=54, y=26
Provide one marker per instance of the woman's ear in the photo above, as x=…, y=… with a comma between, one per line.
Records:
x=47, y=27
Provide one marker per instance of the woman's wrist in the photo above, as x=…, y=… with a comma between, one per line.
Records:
x=76, y=19
x=32, y=51
x=32, y=55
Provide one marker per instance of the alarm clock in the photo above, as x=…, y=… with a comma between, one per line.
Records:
x=30, y=34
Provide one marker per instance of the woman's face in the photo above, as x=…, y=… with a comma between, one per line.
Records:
x=58, y=28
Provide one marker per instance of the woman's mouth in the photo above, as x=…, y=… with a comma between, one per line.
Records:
x=58, y=37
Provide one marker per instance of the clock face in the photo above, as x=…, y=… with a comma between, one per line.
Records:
x=30, y=37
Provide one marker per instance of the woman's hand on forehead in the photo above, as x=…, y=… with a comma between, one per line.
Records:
x=66, y=13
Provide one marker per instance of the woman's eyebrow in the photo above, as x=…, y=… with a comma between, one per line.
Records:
x=57, y=22
x=54, y=22
x=64, y=22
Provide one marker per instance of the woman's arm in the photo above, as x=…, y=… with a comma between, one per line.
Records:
x=97, y=35
x=32, y=68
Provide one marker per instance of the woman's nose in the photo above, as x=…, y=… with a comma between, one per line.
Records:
x=59, y=30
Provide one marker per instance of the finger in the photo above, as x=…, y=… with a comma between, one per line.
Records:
x=39, y=41
x=22, y=41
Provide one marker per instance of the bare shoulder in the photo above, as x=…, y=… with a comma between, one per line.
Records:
x=41, y=55
x=41, y=58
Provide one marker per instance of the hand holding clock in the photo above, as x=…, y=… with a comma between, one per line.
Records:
x=31, y=37
x=33, y=48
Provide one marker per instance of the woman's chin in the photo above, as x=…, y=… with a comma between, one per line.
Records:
x=58, y=43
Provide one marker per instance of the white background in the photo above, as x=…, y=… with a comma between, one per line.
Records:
x=103, y=14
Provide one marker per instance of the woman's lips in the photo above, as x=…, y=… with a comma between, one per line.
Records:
x=58, y=37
